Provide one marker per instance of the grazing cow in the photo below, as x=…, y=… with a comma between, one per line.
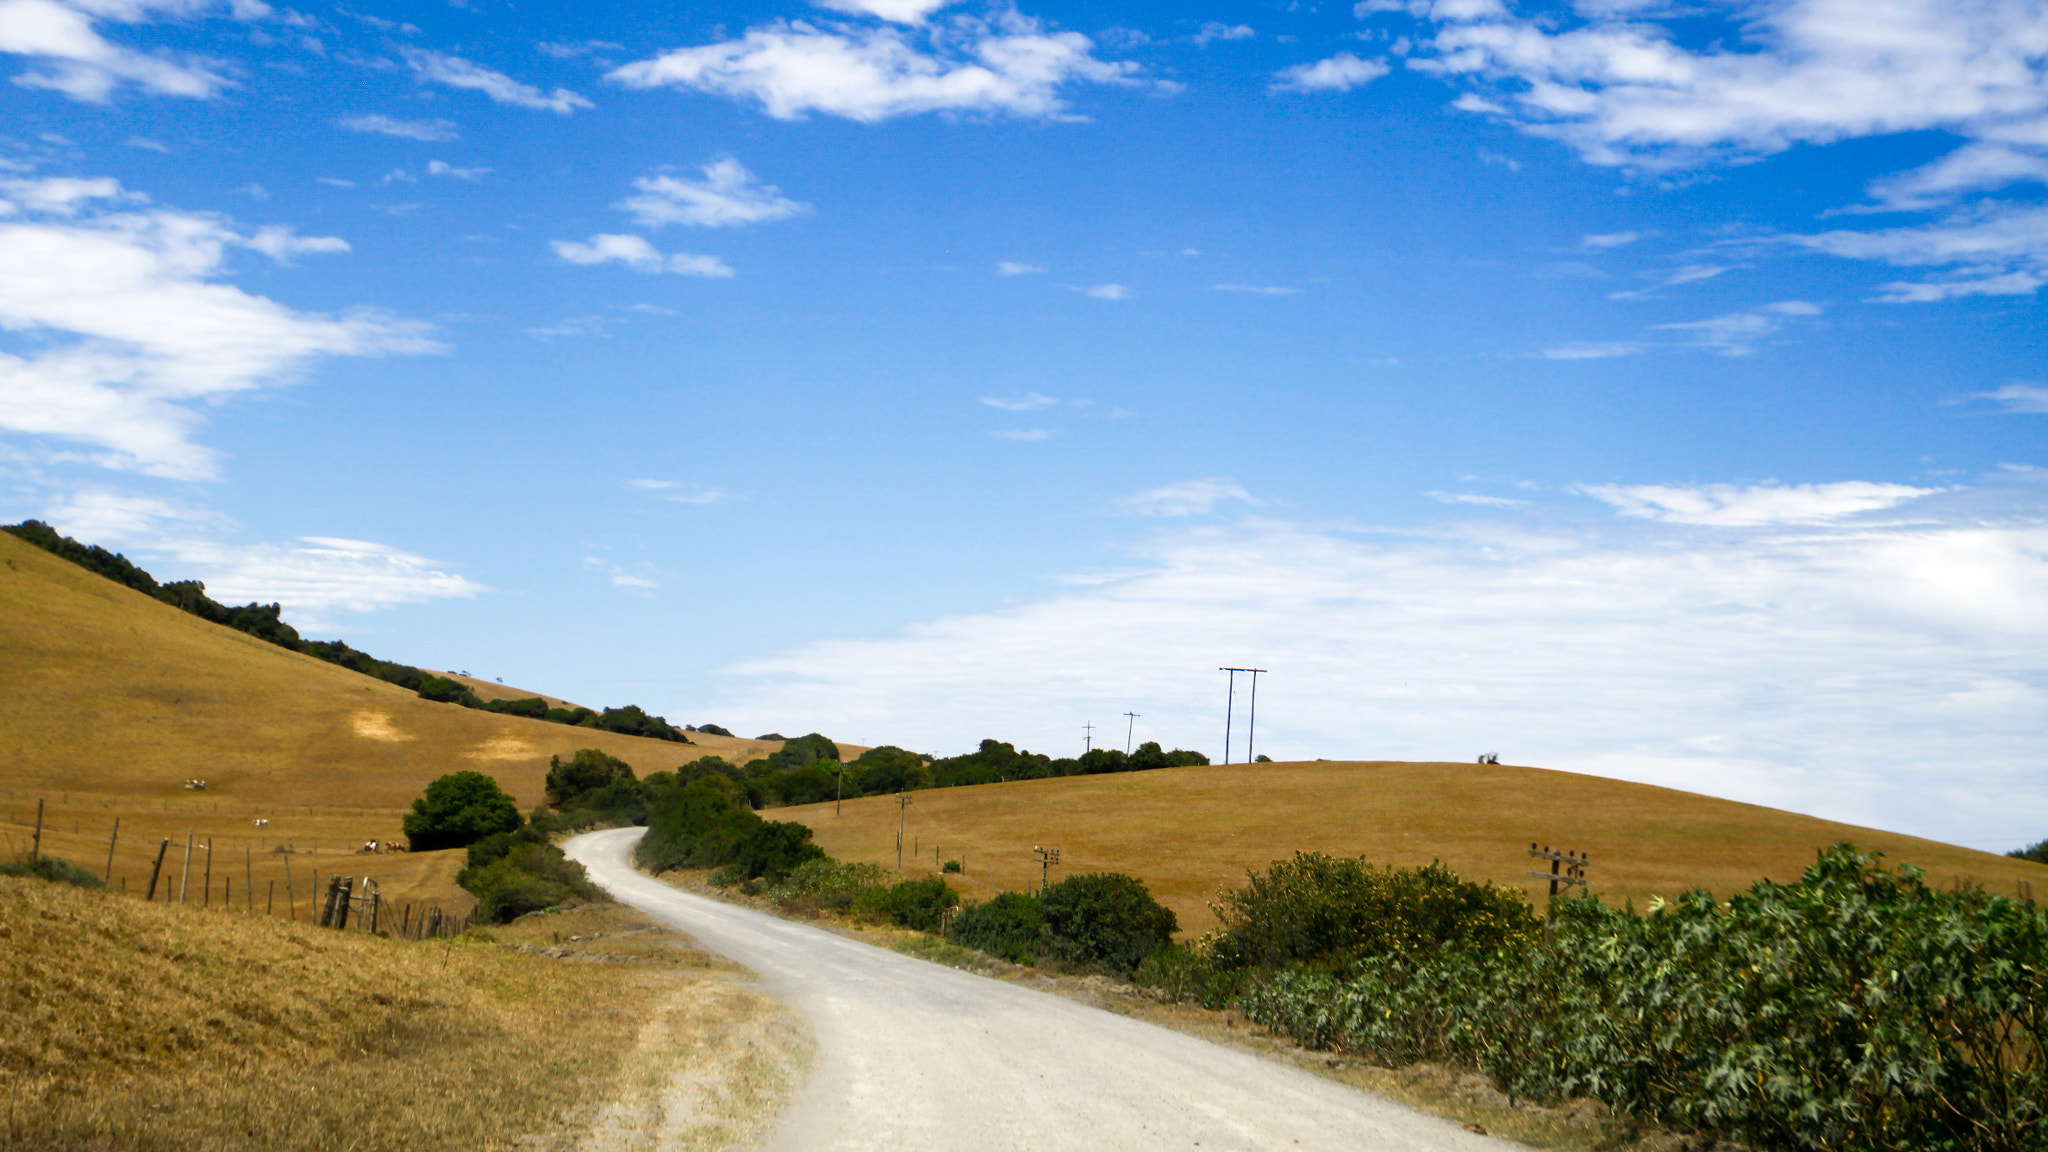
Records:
x=260, y=822
x=370, y=846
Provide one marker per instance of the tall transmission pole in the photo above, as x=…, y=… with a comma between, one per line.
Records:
x=1087, y=738
x=1230, y=703
x=1251, y=730
x=1128, y=730
x=902, y=807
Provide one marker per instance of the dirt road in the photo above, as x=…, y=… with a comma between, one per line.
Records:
x=914, y=1057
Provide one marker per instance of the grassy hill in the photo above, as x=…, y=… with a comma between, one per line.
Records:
x=1191, y=831
x=110, y=701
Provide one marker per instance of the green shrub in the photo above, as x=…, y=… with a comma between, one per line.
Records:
x=458, y=810
x=53, y=869
x=1333, y=912
x=703, y=825
x=1856, y=1009
x=951, y=868
x=588, y=770
x=919, y=904
x=1010, y=926
x=2038, y=853
x=517, y=873
x=1104, y=920
x=824, y=883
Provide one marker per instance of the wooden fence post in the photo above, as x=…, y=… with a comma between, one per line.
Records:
x=249, y=874
x=35, y=851
x=341, y=906
x=108, y=878
x=158, y=867
x=270, y=899
x=291, y=899
x=206, y=899
x=327, y=905
x=185, y=881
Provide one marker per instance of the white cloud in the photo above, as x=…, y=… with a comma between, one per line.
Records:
x=1617, y=86
x=1686, y=274
x=431, y=131
x=1991, y=250
x=1024, y=403
x=442, y=168
x=1010, y=268
x=1882, y=675
x=1339, y=73
x=1187, y=498
x=139, y=329
x=1255, y=289
x=728, y=195
x=455, y=72
x=77, y=61
x=314, y=578
x=900, y=11
x=1601, y=241
x=1474, y=498
x=1212, y=31
x=1726, y=506
x=1008, y=64
x=2019, y=397
x=1592, y=350
x=1106, y=292
x=1023, y=434
x=1971, y=168
x=636, y=253
x=1738, y=333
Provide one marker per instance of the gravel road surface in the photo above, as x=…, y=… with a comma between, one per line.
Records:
x=917, y=1057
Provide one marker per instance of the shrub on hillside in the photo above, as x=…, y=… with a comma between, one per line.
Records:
x=512, y=874
x=2038, y=853
x=1104, y=920
x=826, y=884
x=458, y=810
x=1010, y=926
x=705, y=825
x=1332, y=912
x=918, y=904
x=588, y=770
x=52, y=869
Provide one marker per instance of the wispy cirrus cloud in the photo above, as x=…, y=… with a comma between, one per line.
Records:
x=1012, y=268
x=456, y=72
x=636, y=253
x=430, y=131
x=2019, y=396
x=1024, y=403
x=73, y=58
x=1739, y=333
x=1729, y=506
x=1187, y=498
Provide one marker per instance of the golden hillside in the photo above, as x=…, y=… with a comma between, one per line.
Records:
x=110, y=701
x=1190, y=831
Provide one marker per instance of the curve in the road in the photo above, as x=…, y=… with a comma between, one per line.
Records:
x=915, y=1057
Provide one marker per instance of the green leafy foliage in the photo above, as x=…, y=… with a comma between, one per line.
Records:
x=706, y=824
x=919, y=904
x=53, y=869
x=825, y=884
x=1011, y=925
x=458, y=810
x=588, y=770
x=2038, y=853
x=514, y=873
x=1856, y=1009
x=1104, y=920
x=1332, y=912
x=445, y=691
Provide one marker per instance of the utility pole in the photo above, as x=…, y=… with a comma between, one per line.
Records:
x=1230, y=703
x=902, y=807
x=1047, y=857
x=1087, y=739
x=1130, y=728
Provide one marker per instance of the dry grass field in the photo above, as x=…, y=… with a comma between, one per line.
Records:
x=162, y=1027
x=1189, y=832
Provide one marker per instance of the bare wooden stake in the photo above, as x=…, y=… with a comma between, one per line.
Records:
x=270, y=899
x=185, y=881
x=35, y=851
x=206, y=898
x=249, y=874
x=157, y=868
x=111, y=841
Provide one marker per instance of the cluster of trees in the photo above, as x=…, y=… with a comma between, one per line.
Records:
x=266, y=622
x=809, y=769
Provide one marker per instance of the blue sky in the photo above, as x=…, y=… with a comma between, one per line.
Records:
x=1646, y=389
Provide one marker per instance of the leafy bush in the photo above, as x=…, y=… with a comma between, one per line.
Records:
x=2038, y=853
x=588, y=770
x=919, y=904
x=458, y=810
x=704, y=825
x=512, y=874
x=52, y=869
x=1856, y=1009
x=1104, y=920
x=1184, y=974
x=1333, y=912
x=824, y=883
x=951, y=868
x=1011, y=926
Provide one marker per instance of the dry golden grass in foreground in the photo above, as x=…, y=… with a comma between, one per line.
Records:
x=139, y=1026
x=1189, y=832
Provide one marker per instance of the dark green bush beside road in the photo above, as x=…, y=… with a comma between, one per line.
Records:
x=1856, y=1009
x=514, y=873
x=458, y=810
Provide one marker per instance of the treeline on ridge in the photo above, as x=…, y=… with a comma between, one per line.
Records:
x=266, y=622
